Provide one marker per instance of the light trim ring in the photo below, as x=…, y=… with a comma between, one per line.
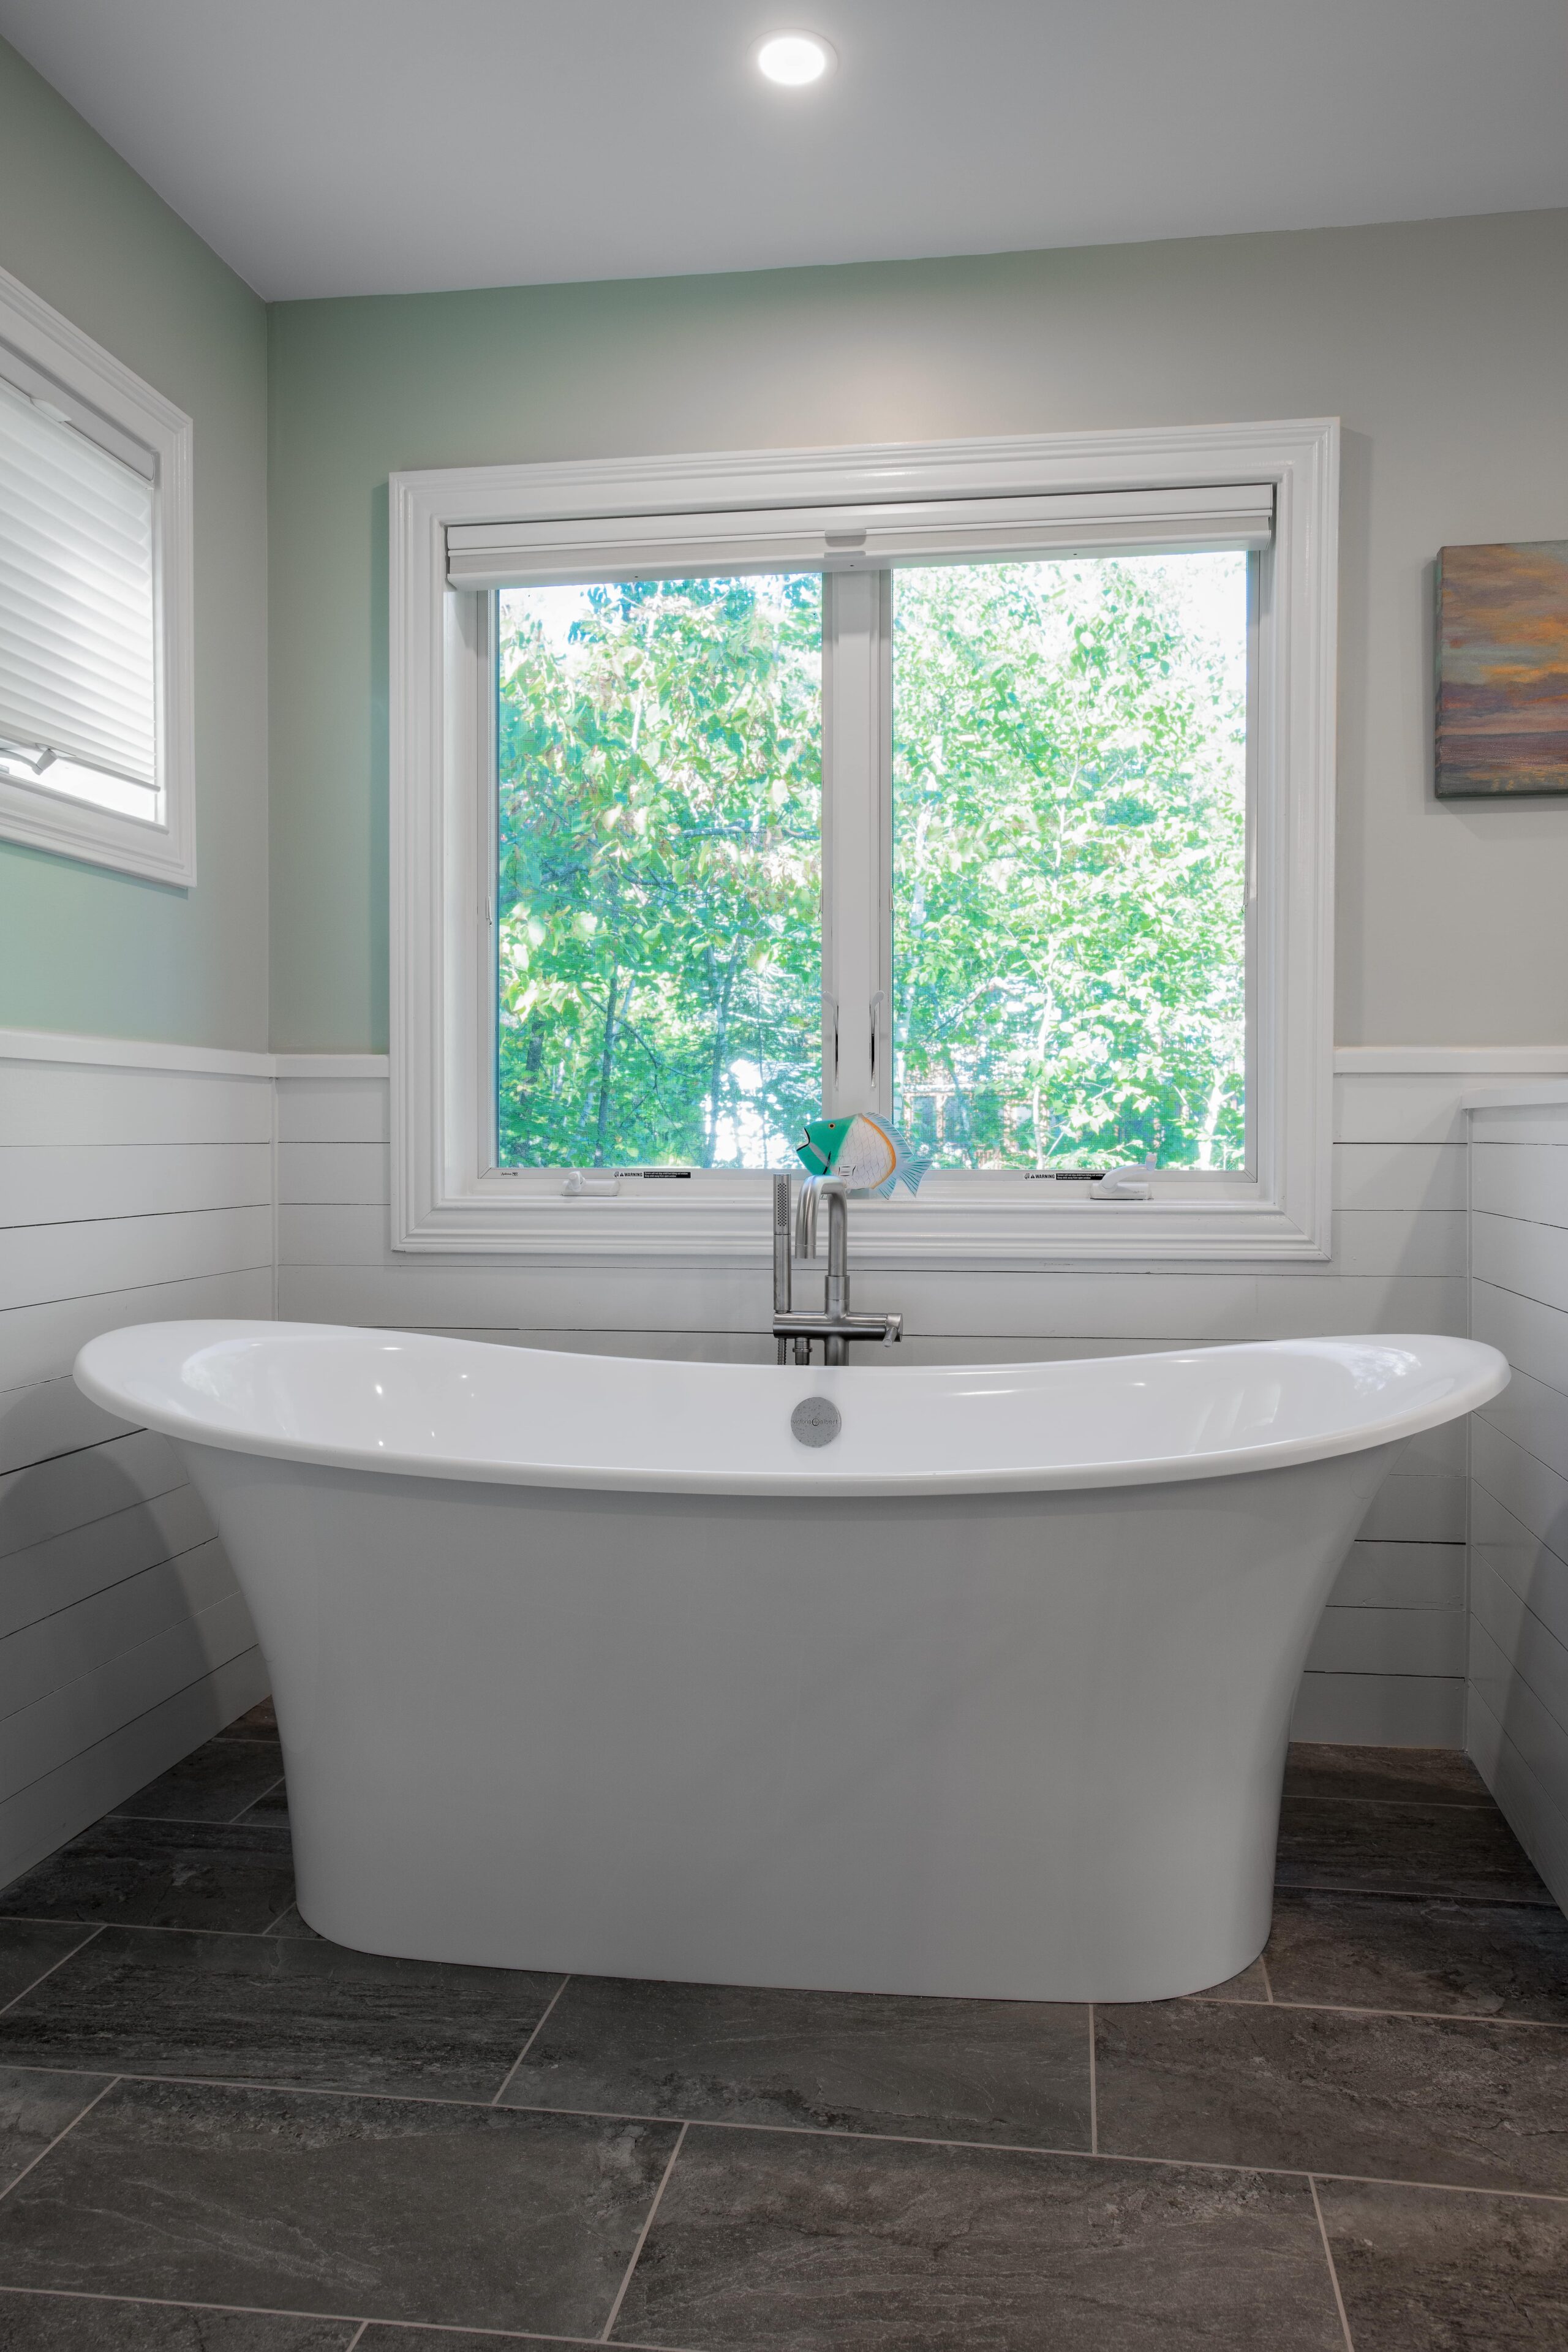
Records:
x=794, y=60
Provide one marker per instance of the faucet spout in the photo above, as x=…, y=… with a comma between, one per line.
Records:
x=805, y=1218
x=835, y=1349
x=836, y=1326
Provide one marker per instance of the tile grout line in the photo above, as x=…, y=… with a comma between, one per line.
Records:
x=1350, y=2009
x=76, y=2119
x=1208, y=2000
x=1399, y=1804
x=1267, y=1979
x=284, y=2088
x=1544, y=1902
x=1329, y=2258
x=528, y=2046
x=37, y=1981
x=235, y=1819
x=1093, y=2091
x=184, y=1820
x=139, y=1926
x=179, y=1820
x=789, y=2131
x=463, y=2328
x=642, y=2233
x=1282, y=2172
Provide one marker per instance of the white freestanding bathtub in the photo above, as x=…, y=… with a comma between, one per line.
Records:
x=590, y=1663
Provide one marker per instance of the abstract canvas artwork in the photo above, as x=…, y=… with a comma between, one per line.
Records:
x=1502, y=669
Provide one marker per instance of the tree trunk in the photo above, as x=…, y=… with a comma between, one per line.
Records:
x=1047, y=1022
x=720, y=1045
x=532, y=1062
x=962, y=1099
x=606, y=1066
x=1210, y=1128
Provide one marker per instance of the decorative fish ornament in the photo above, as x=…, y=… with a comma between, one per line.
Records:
x=868, y=1154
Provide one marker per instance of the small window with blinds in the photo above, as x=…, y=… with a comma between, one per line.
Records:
x=77, y=647
x=94, y=603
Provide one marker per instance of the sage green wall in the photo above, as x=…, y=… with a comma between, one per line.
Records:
x=1443, y=346
x=82, y=948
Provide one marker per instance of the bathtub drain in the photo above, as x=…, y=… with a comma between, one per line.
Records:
x=817, y=1420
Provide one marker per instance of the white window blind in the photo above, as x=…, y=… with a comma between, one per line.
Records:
x=859, y=538
x=78, y=640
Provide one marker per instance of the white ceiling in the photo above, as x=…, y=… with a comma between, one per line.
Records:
x=375, y=146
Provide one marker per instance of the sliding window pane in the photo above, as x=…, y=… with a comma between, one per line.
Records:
x=1069, y=835
x=659, y=965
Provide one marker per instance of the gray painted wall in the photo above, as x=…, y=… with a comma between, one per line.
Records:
x=81, y=949
x=1444, y=347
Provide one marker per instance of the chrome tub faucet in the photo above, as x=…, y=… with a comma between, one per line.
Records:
x=794, y=1246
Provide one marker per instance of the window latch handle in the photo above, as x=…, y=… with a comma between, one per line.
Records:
x=1121, y=1184
x=876, y=1004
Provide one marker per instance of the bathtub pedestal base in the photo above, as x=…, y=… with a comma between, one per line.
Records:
x=1023, y=1746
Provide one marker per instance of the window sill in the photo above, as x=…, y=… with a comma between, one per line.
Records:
x=724, y=1219
x=97, y=836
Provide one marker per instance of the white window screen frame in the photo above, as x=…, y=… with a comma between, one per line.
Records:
x=851, y=512
x=42, y=353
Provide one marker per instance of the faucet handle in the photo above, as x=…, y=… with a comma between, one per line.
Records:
x=894, y=1332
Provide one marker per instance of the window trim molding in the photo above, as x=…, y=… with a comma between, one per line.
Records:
x=444, y=1202
x=91, y=378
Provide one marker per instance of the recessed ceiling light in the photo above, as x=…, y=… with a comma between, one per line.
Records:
x=794, y=59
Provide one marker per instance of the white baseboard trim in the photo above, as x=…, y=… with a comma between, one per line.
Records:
x=1541, y=1828
x=1381, y=1710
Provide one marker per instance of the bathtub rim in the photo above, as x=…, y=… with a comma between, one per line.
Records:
x=1489, y=1373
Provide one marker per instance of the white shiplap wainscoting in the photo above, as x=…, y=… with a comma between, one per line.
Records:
x=1389, y=1660
x=139, y=1183
x=136, y=1184
x=1518, y=1724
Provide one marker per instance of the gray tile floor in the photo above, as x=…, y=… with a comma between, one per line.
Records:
x=222, y=2133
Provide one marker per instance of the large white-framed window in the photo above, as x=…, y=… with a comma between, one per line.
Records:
x=540, y=576
x=96, y=607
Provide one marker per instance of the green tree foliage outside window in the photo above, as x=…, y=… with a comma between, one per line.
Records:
x=659, y=958
x=1068, y=858
x=1069, y=833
